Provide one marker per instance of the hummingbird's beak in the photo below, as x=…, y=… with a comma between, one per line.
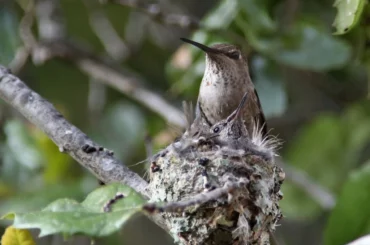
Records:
x=201, y=46
x=238, y=110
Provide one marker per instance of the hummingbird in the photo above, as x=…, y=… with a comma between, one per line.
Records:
x=232, y=133
x=226, y=79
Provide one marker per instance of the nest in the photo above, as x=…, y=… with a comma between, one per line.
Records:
x=193, y=169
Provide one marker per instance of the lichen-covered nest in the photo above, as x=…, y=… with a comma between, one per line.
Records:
x=245, y=215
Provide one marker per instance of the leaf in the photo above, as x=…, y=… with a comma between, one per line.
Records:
x=122, y=125
x=307, y=45
x=13, y=236
x=314, y=50
x=350, y=217
x=18, y=140
x=26, y=201
x=57, y=166
x=222, y=15
x=256, y=16
x=9, y=41
x=269, y=84
x=69, y=217
x=348, y=14
x=341, y=140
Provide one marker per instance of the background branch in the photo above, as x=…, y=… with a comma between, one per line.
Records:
x=303, y=181
x=67, y=137
x=155, y=12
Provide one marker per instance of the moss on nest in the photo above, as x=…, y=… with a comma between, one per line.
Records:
x=246, y=216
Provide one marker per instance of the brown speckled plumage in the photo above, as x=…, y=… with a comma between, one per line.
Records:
x=226, y=79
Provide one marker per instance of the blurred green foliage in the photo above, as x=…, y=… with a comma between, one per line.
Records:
x=285, y=40
x=69, y=217
x=9, y=27
x=350, y=218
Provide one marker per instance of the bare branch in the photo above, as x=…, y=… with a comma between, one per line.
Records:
x=155, y=12
x=104, y=30
x=28, y=40
x=105, y=70
x=50, y=19
x=67, y=137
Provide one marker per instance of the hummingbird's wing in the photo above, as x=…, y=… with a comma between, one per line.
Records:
x=260, y=118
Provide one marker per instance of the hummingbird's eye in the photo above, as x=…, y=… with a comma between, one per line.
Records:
x=216, y=129
x=235, y=55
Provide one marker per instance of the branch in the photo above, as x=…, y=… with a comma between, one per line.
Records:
x=104, y=30
x=106, y=70
x=155, y=12
x=51, y=20
x=195, y=200
x=99, y=68
x=322, y=196
x=67, y=137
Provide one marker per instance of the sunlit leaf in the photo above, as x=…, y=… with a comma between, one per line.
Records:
x=348, y=14
x=57, y=165
x=350, y=217
x=69, y=217
x=13, y=236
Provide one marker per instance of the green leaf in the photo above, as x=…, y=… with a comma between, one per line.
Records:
x=269, y=84
x=9, y=41
x=326, y=150
x=18, y=139
x=306, y=45
x=350, y=217
x=313, y=49
x=222, y=15
x=256, y=17
x=27, y=201
x=348, y=14
x=69, y=217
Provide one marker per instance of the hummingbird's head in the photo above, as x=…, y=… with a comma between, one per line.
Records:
x=232, y=126
x=223, y=58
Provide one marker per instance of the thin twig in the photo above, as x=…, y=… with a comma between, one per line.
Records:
x=155, y=12
x=25, y=33
x=67, y=137
x=195, y=200
x=115, y=47
x=105, y=70
x=50, y=19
